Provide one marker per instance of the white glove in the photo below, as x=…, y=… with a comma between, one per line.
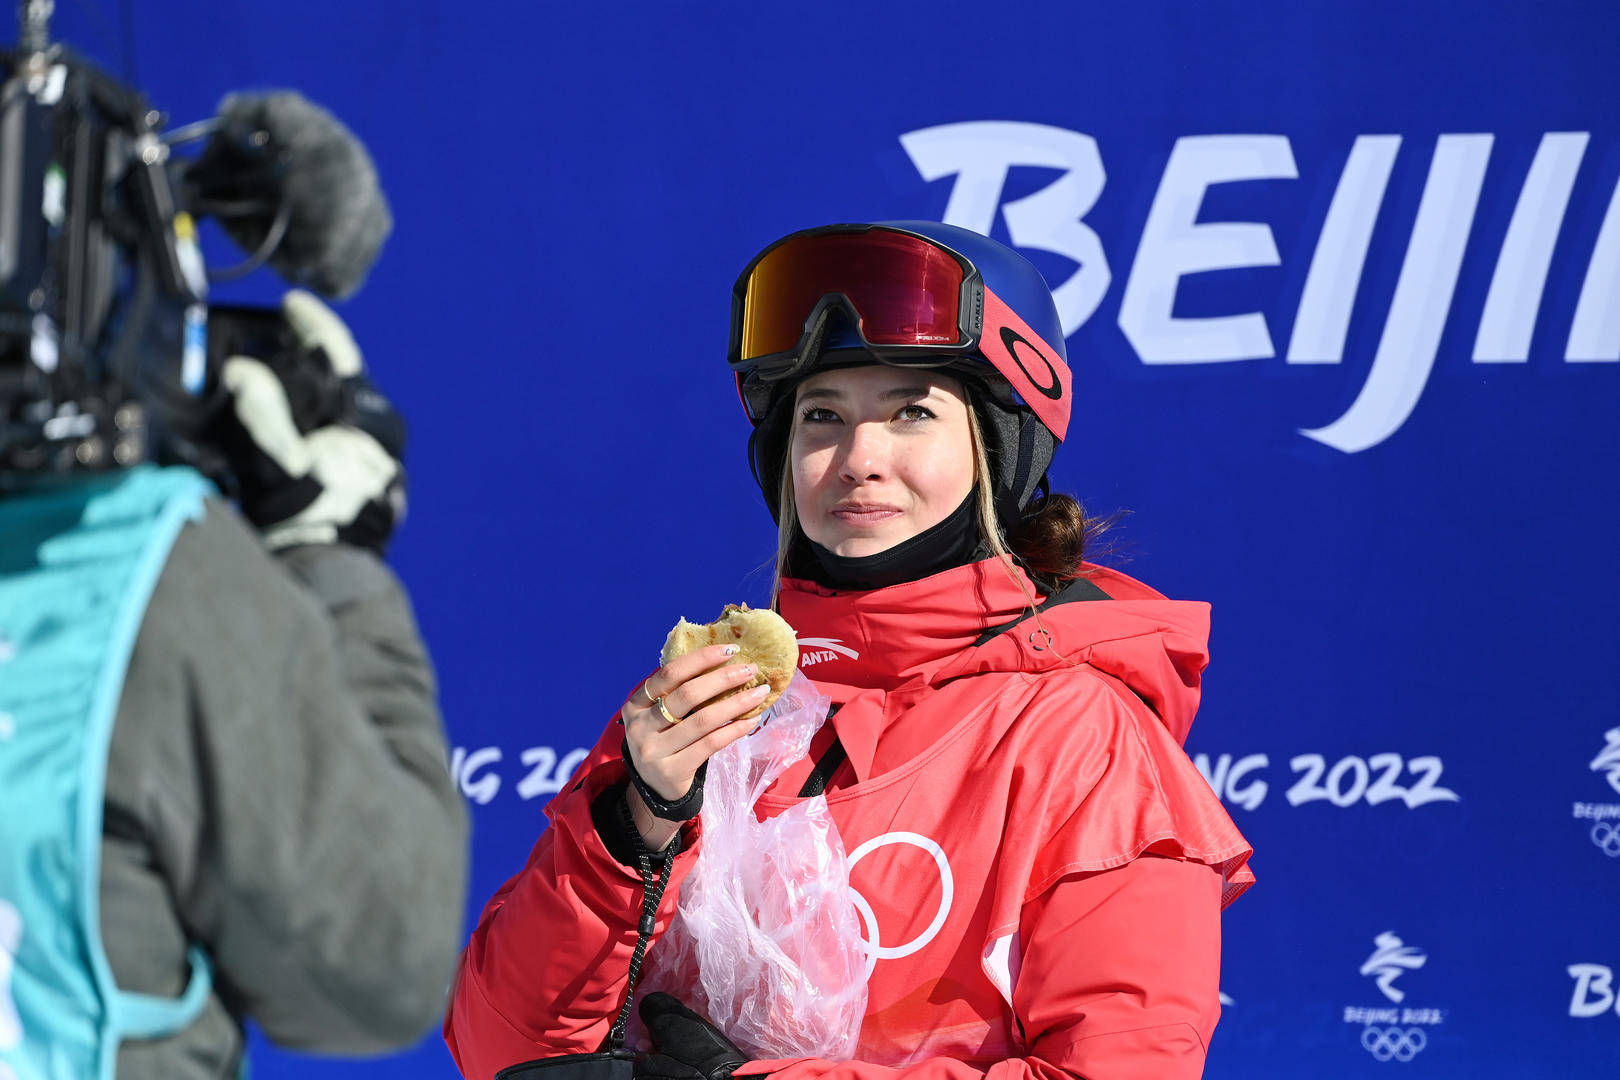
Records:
x=337, y=482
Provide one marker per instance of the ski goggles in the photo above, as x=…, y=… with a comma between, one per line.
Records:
x=910, y=300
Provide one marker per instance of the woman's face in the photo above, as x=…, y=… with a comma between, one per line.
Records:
x=879, y=454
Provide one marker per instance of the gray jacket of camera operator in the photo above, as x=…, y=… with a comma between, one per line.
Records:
x=277, y=791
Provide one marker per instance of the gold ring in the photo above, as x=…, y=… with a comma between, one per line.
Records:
x=668, y=718
x=646, y=688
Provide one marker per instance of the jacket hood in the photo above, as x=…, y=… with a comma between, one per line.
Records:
x=976, y=618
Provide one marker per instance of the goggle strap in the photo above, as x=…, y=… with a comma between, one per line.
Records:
x=1034, y=369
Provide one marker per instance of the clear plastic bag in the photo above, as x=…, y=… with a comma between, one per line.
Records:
x=766, y=941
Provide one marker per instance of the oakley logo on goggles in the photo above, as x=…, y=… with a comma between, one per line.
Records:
x=913, y=302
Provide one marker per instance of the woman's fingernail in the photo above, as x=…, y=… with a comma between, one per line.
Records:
x=744, y=673
x=759, y=691
x=729, y=650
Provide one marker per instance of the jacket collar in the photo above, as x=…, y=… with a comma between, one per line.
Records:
x=882, y=639
x=854, y=643
x=909, y=637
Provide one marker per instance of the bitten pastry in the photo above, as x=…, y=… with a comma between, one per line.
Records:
x=763, y=638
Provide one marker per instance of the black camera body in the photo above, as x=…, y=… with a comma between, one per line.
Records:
x=91, y=273
x=109, y=350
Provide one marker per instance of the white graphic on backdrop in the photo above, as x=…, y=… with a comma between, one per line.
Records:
x=1389, y=1033
x=1607, y=838
x=1601, y=821
x=546, y=773
x=1348, y=781
x=1175, y=243
x=1393, y=1043
x=1594, y=991
x=1608, y=759
x=1227, y=779
x=1390, y=960
x=979, y=156
x=11, y=928
x=1423, y=293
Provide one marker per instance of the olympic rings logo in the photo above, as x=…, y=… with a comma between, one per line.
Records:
x=1607, y=839
x=1393, y=1043
x=875, y=949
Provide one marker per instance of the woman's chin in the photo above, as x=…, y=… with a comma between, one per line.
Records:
x=859, y=547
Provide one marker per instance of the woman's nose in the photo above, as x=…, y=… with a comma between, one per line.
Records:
x=865, y=454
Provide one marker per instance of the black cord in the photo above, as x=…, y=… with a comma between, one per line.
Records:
x=261, y=255
x=652, y=892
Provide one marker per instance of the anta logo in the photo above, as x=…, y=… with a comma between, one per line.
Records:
x=815, y=650
x=1179, y=240
x=1391, y=959
x=1608, y=759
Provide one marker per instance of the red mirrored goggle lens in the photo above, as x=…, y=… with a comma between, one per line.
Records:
x=906, y=290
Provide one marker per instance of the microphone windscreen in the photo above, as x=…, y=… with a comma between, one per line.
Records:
x=338, y=216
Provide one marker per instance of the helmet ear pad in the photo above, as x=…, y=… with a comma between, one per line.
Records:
x=1017, y=445
x=767, y=452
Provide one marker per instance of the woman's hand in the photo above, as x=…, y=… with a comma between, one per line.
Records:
x=668, y=755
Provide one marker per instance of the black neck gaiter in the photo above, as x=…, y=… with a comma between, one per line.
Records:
x=953, y=542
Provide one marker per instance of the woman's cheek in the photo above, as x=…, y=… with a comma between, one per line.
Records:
x=940, y=479
x=809, y=474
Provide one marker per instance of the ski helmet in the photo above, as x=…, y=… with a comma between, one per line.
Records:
x=909, y=294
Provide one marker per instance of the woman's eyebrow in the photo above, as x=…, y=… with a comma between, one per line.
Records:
x=828, y=393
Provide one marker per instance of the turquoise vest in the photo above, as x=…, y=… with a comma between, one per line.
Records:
x=77, y=568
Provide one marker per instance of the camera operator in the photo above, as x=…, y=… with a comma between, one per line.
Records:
x=276, y=791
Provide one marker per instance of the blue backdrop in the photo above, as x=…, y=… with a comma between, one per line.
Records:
x=1343, y=292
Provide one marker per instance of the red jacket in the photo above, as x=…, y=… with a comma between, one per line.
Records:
x=1044, y=865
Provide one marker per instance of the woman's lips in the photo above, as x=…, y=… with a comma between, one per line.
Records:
x=865, y=513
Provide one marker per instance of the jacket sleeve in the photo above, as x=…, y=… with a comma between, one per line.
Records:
x=547, y=967
x=1118, y=980
x=279, y=741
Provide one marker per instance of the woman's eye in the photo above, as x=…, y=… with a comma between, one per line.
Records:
x=915, y=412
x=815, y=414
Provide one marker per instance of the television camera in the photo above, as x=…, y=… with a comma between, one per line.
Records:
x=109, y=347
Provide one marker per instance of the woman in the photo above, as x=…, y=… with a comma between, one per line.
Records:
x=1041, y=867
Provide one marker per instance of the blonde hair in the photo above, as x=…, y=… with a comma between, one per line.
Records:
x=787, y=521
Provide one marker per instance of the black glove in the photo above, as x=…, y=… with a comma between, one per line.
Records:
x=340, y=481
x=685, y=1046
